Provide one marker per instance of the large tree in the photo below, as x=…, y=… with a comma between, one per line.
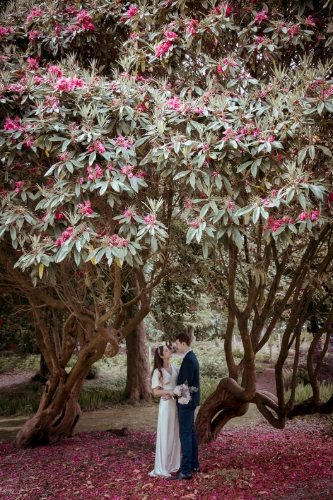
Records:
x=221, y=111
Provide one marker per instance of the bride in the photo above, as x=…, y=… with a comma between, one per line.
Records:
x=164, y=380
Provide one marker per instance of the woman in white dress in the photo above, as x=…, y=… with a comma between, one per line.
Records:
x=164, y=380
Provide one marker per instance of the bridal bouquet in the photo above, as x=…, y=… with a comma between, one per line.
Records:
x=183, y=393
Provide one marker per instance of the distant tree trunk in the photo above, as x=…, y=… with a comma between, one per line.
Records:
x=138, y=369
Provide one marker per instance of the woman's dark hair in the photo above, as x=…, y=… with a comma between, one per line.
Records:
x=184, y=337
x=158, y=361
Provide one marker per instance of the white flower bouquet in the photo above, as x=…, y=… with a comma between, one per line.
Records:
x=183, y=393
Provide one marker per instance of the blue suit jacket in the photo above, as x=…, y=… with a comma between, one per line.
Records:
x=189, y=372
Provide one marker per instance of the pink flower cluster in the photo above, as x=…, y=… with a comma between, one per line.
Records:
x=171, y=35
x=63, y=156
x=150, y=220
x=261, y=16
x=228, y=9
x=5, y=31
x=55, y=70
x=32, y=64
x=129, y=213
x=174, y=103
x=117, y=241
x=19, y=186
x=15, y=87
x=265, y=201
x=127, y=170
x=34, y=13
x=86, y=208
x=65, y=236
x=231, y=205
x=132, y=11
x=293, y=30
x=97, y=146
x=95, y=173
x=194, y=223
x=274, y=225
x=84, y=21
x=123, y=142
x=51, y=102
x=329, y=199
x=162, y=48
x=13, y=124
x=310, y=21
x=59, y=215
x=191, y=25
x=68, y=84
x=34, y=34
x=313, y=216
x=28, y=141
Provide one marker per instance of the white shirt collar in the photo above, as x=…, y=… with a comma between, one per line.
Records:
x=187, y=352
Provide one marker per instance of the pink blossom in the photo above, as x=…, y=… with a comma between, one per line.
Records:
x=129, y=213
x=303, y=216
x=228, y=133
x=97, y=146
x=95, y=173
x=134, y=36
x=34, y=13
x=59, y=215
x=314, y=215
x=259, y=40
x=141, y=174
x=85, y=22
x=279, y=157
x=174, y=103
x=330, y=198
x=293, y=30
x=266, y=201
x=310, y=21
x=34, y=34
x=55, y=70
x=132, y=11
x=150, y=220
x=117, y=241
x=5, y=31
x=38, y=79
x=57, y=30
x=162, y=48
x=3, y=193
x=192, y=308
x=193, y=224
x=19, y=186
x=28, y=141
x=214, y=174
x=188, y=203
x=123, y=142
x=13, y=124
x=231, y=205
x=63, y=156
x=219, y=70
x=81, y=181
x=191, y=27
x=127, y=170
x=68, y=84
x=261, y=16
x=85, y=209
x=68, y=233
x=51, y=102
x=32, y=64
x=14, y=87
x=171, y=35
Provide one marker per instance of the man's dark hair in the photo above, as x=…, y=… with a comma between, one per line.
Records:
x=184, y=337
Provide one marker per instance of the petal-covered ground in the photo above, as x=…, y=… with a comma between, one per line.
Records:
x=254, y=462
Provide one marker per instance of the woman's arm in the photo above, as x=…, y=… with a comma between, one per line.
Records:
x=158, y=391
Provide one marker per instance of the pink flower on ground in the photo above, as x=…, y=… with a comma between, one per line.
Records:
x=171, y=35
x=303, y=216
x=261, y=16
x=55, y=70
x=34, y=13
x=150, y=220
x=162, y=48
x=85, y=209
x=314, y=215
x=132, y=11
x=174, y=103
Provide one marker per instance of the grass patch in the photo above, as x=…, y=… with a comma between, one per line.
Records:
x=13, y=362
x=207, y=386
x=304, y=392
x=23, y=401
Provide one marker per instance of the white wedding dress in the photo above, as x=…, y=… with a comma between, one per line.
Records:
x=167, y=454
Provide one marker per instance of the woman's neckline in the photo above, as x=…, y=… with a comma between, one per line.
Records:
x=167, y=370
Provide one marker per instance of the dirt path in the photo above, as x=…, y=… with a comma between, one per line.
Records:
x=15, y=378
x=137, y=417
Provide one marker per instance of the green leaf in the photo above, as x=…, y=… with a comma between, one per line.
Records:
x=256, y=215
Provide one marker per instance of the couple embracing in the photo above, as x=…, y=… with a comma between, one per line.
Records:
x=175, y=428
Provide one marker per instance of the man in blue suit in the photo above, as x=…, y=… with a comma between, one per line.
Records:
x=189, y=374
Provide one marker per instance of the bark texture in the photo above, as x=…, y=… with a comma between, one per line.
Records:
x=138, y=369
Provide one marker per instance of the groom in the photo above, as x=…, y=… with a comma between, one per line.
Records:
x=189, y=373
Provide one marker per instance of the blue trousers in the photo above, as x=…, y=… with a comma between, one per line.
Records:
x=188, y=439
